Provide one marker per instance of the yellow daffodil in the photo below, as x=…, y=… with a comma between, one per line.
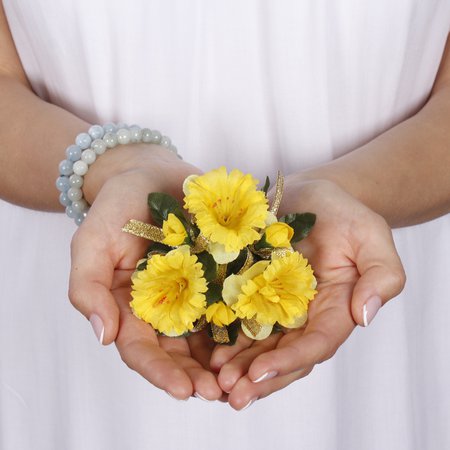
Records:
x=279, y=291
x=220, y=314
x=174, y=231
x=169, y=293
x=227, y=208
x=279, y=234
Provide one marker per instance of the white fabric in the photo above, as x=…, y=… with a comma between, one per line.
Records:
x=257, y=85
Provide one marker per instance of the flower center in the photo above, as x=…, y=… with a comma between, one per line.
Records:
x=172, y=291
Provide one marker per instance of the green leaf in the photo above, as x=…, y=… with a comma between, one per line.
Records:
x=156, y=247
x=262, y=243
x=235, y=266
x=233, y=331
x=301, y=223
x=209, y=266
x=142, y=266
x=161, y=205
x=214, y=293
x=266, y=186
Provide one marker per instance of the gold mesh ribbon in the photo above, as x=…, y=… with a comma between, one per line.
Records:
x=200, y=325
x=278, y=194
x=220, y=334
x=248, y=262
x=201, y=244
x=144, y=230
x=253, y=326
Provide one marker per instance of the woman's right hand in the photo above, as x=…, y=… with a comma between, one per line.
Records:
x=104, y=257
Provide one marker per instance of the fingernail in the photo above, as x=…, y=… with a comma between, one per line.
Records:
x=370, y=309
x=266, y=376
x=177, y=399
x=196, y=394
x=97, y=325
x=250, y=403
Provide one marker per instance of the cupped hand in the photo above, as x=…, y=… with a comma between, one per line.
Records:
x=357, y=268
x=103, y=259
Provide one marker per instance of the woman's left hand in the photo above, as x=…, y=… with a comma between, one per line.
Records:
x=357, y=268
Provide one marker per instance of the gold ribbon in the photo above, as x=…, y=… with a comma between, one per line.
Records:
x=220, y=334
x=144, y=230
x=278, y=194
x=253, y=325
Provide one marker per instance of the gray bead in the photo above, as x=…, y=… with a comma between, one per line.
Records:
x=110, y=139
x=64, y=199
x=123, y=136
x=62, y=184
x=73, y=152
x=98, y=146
x=156, y=137
x=146, y=135
x=78, y=220
x=165, y=141
x=96, y=132
x=121, y=125
x=83, y=140
x=173, y=149
x=74, y=194
x=70, y=212
x=80, y=168
x=136, y=134
x=66, y=167
x=80, y=205
x=76, y=181
x=109, y=128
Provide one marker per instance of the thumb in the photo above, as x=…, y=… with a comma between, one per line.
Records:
x=90, y=284
x=382, y=276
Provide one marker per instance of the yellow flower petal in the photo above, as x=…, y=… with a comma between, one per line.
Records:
x=232, y=285
x=279, y=234
x=220, y=314
x=174, y=231
x=227, y=208
x=169, y=293
x=279, y=294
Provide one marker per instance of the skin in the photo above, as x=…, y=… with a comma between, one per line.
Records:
x=351, y=247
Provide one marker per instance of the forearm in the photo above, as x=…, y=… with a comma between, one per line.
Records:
x=33, y=137
x=404, y=173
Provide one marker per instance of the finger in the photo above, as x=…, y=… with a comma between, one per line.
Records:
x=140, y=351
x=224, y=353
x=237, y=367
x=204, y=382
x=201, y=348
x=329, y=326
x=246, y=392
x=90, y=282
x=382, y=276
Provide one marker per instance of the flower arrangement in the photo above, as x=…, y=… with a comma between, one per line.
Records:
x=223, y=261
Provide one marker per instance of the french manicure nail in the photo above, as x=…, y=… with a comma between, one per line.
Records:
x=196, y=394
x=177, y=399
x=250, y=403
x=266, y=376
x=370, y=309
x=98, y=327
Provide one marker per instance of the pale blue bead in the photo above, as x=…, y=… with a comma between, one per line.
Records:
x=121, y=125
x=99, y=146
x=83, y=140
x=136, y=134
x=73, y=152
x=74, y=194
x=165, y=141
x=79, y=220
x=146, y=135
x=70, y=212
x=109, y=128
x=64, y=199
x=62, y=184
x=96, y=132
x=88, y=156
x=76, y=181
x=66, y=167
x=80, y=168
x=110, y=139
x=80, y=205
x=156, y=137
x=123, y=136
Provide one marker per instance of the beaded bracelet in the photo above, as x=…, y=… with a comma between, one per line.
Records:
x=88, y=146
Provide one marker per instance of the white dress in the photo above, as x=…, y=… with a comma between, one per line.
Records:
x=258, y=85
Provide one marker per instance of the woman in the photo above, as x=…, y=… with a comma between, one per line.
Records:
x=262, y=88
